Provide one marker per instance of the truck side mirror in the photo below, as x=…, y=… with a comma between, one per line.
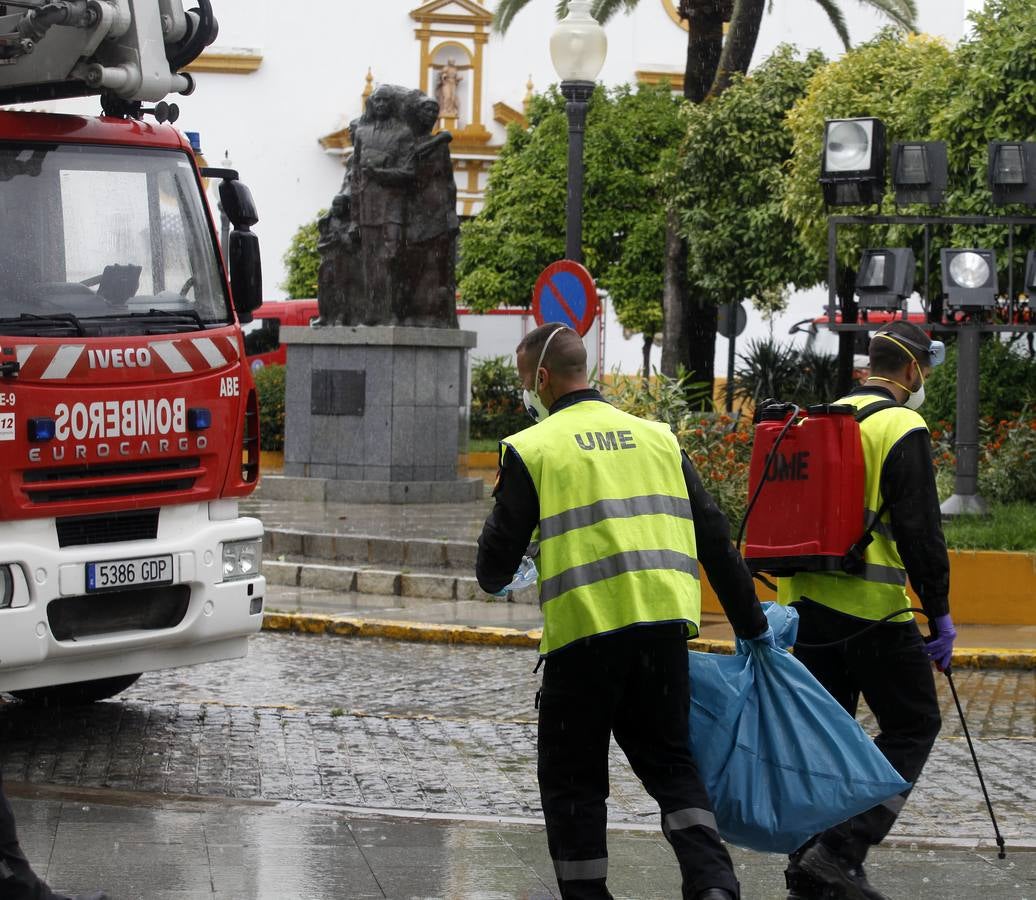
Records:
x=236, y=200
x=246, y=273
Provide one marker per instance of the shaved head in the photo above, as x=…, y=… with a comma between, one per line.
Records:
x=563, y=367
x=565, y=356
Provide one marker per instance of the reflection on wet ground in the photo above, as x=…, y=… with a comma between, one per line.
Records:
x=147, y=848
x=436, y=729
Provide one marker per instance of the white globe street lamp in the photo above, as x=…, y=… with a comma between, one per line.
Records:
x=578, y=47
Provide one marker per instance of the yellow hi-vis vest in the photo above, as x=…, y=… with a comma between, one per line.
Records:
x=616, y=537
x=880, y=587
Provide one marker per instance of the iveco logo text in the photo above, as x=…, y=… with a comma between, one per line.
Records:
x=133, y=358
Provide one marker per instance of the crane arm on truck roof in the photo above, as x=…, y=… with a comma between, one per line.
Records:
x=125, y=51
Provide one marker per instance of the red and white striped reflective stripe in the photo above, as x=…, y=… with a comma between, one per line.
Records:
x=178, y=356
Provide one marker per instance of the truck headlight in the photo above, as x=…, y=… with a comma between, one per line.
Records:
x=242, y=559
x=6, y=587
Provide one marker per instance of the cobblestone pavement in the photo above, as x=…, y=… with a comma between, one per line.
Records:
x=387, y=725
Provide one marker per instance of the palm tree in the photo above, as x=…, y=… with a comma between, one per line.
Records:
x=708, y=56
x=690, y=316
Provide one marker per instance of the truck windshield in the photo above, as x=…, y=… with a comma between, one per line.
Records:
x=102, y=237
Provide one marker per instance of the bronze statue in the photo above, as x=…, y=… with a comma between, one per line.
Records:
x=388, y=243
x=431, y=237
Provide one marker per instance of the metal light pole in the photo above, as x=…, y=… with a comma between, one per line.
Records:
x=578, y=47
x=966, y=499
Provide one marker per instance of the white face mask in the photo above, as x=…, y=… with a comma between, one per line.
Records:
x=534, y=406
x=914, y=398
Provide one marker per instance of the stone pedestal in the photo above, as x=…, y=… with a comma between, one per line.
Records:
x=378, y=413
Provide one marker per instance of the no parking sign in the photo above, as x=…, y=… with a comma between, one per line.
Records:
x=565, y=292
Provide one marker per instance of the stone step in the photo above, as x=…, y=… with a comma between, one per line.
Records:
x=370, y=550
x=383, y=581
x=393, y=608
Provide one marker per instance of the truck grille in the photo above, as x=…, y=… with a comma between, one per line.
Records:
x=138, y=609
x=92, y=482
x=134, y=525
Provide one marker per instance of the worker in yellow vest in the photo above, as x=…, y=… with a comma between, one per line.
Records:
x=622, y=520
x=887, y=664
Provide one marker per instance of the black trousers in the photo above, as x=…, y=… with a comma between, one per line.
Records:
x=17, y=880
x=633, y=684
x=889, y=669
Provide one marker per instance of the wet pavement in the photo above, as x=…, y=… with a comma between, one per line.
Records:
x=325, y=767
x=140, y=847
x=438, y=729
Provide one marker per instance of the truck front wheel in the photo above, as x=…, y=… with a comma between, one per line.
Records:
x=77, y=693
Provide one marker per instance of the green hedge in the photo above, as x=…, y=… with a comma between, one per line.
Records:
x=496, y=399
x=1007, y=385
x=269, y=385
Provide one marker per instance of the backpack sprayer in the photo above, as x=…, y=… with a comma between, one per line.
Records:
x=813, y=509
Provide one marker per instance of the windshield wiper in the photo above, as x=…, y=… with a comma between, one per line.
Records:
x=53, y=320
x=191, y=314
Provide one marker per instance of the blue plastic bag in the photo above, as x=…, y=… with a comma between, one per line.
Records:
x=779, y=758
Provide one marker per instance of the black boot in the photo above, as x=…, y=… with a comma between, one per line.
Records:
x=716, y=894
x=829, y=869
x=801, y=886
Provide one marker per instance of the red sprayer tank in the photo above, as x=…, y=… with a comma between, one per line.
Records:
x=810, y=509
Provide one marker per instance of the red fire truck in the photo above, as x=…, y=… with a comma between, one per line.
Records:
x=128, y=417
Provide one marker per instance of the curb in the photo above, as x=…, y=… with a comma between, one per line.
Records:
x=420, y=632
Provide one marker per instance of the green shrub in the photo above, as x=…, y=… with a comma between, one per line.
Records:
x=771, y=369
x=496, y=399
x=1007, y=385
x=661, y=399
x=302, y=261
x=269, y=385
x=1007, y=459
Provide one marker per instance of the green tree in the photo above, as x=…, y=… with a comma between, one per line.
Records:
x=990, y=96
x=711, y=61
x=521, y=229
x=302, y=262
x=729, y=182
x=902, y=81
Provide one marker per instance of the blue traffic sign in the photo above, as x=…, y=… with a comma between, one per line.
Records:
x=565, y=292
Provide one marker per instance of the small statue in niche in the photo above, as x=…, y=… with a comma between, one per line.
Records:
x=446, y=92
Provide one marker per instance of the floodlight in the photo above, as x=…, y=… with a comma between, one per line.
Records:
x=885, y=278
x=1012, y=172
x=919, y=172
x=1030, y=275
x=969, y=278
x=852, y=169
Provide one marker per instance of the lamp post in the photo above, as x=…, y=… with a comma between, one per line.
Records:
x=577, y=48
